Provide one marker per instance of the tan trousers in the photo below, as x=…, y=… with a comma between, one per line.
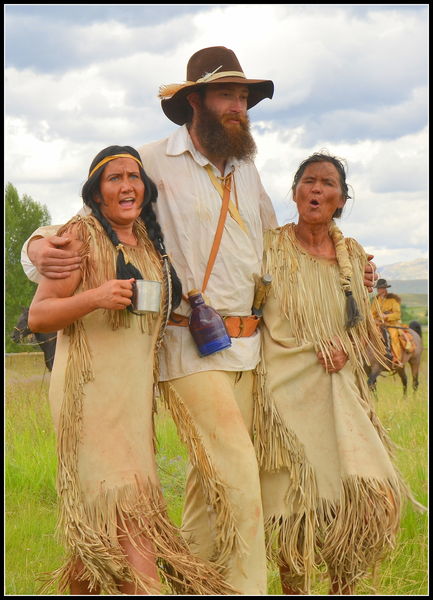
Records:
x=220, y=405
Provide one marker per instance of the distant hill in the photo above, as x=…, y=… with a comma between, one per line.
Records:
x=412, y=300
x=413, y=269
x=409, y=277
x=408, y=286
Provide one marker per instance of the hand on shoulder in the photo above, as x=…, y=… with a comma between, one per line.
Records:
x=57, y=256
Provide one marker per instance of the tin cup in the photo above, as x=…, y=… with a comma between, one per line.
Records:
x=146, y=296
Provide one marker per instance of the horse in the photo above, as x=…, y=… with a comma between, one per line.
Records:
x=413, y=358
x=46, y=341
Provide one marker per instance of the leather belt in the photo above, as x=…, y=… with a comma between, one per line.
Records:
x=236, y=326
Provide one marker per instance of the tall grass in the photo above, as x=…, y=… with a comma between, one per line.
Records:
x=31, y=547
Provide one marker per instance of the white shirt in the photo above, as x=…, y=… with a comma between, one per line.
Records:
x=188, y=210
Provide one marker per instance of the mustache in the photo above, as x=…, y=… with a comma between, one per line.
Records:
x=240, y=118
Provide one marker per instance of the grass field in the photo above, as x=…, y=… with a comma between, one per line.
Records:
x=420, y=300
x=30, y=495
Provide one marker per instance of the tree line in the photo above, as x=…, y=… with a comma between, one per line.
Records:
x=22, y=216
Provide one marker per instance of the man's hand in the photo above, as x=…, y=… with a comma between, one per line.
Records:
x=338, y=360
x=52, y=257
x=335, y=363
x=370, y=275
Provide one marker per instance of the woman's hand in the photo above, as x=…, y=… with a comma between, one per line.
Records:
x=114, y=294
x=336, y=361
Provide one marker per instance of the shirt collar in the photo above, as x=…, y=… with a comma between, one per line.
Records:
x=180, y=141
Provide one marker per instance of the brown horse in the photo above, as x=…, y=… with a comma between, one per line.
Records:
x=413, y=358
x=46, y=341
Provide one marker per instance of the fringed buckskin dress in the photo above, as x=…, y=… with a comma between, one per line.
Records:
x=331, y=495
x=101, y=396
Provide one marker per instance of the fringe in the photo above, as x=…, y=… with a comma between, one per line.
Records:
x=318, y=316
x=99, y=264
x=318, y=530
x=277, y=447
x=228, y=540
x=350, y=536
x=90, y=530
x=102, y=556
x=166, y=311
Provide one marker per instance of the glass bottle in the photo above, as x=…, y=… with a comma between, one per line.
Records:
x=206, y=326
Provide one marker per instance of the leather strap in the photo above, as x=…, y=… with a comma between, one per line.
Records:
x=233, y=210
x=219, y=230
x=236, y=326
x=218, y=233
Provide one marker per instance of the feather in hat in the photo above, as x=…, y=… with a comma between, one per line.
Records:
x=169, y=90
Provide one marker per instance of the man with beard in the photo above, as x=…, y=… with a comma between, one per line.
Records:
x=211, y=397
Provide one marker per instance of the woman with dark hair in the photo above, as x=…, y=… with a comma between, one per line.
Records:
x=331, y=495
x=112, y=514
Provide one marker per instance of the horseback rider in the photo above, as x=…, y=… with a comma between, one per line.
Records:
x=387, y=314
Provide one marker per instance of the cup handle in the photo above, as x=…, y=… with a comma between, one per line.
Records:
x=134, y=295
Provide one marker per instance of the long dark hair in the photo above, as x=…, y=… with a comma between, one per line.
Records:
x=91, y=189
x=338, y=164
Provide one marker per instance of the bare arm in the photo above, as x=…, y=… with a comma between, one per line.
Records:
x=55, y=306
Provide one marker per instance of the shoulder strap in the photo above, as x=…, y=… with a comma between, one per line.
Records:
x=219, y=230
x=218, y=233
x=233, y=210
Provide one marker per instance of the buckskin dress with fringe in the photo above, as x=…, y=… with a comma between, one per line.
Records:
x=331, y=495
x=101, y=397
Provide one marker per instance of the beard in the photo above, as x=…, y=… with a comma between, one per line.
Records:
x=223, y=141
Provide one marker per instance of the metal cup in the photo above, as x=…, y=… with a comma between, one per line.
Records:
x=146, y=296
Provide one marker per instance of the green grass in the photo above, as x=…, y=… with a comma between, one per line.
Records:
x=30, y=545
x=414, y=308
x=415, y=300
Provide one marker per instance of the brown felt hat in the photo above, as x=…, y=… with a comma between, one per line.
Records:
x=210, y=65
x=382, y=283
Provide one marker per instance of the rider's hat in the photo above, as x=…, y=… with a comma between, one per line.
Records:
x=382, y=283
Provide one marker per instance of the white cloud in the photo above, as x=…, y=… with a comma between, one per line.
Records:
x=387, y=256
x=387, y=179
x=349, y=78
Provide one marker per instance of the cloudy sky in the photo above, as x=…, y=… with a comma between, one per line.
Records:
x=349, y=78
